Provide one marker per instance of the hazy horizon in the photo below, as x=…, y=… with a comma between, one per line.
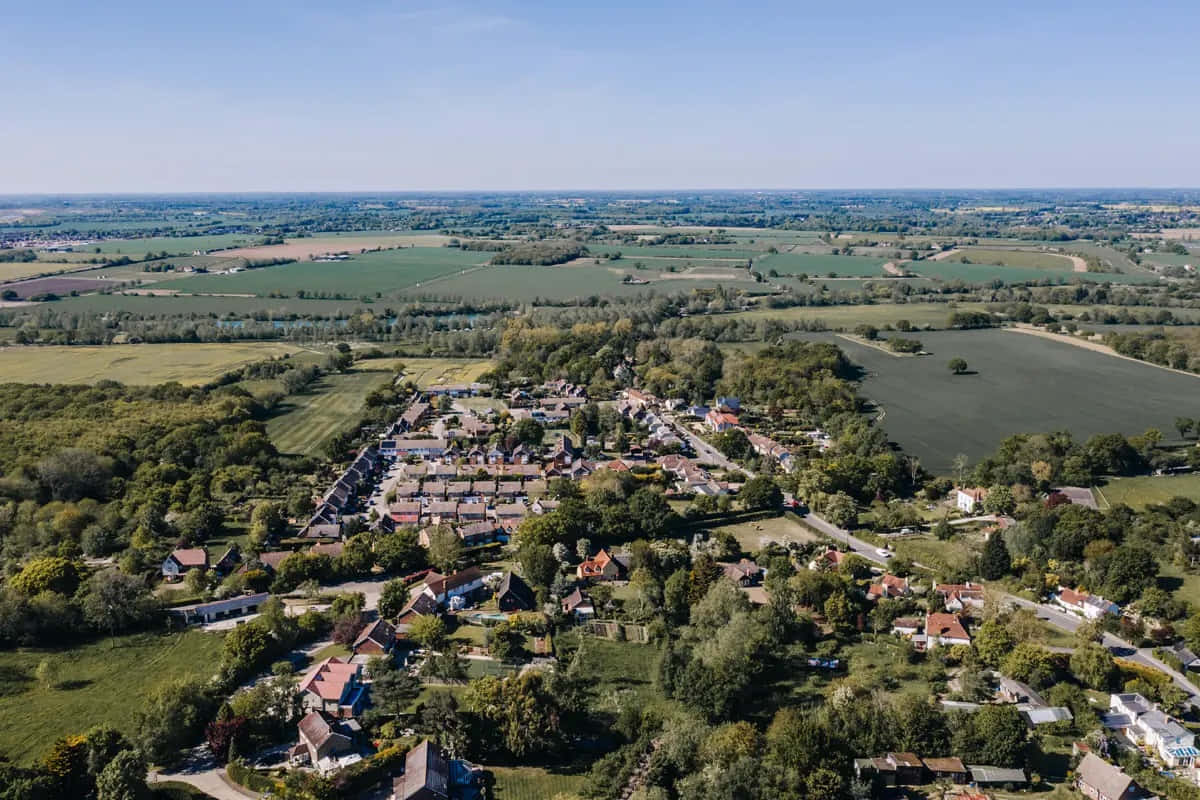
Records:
x=137, y=97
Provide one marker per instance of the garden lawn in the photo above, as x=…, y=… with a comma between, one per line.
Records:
x=533, y=783
x=101, y=682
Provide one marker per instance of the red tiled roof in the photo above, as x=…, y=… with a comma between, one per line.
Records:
x=191, y=557
x=328, y=679
x=945, y=625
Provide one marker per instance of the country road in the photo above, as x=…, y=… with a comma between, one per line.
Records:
x=705, y=452
x=1051, y=614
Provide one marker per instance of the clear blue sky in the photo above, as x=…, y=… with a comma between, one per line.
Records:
x=165, y=95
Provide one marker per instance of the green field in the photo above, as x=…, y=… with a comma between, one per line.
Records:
x=1021, y=383
x=175, y=245
x=820, y=265
x=426, y=372
x=134, y=363
x=305, y=421
x=100, y=682
x=1145, y=490
x=214, y=306
x=531, y=284
x=1031, y=259
x=918, y=314
x=752, y=536
x=952, y=270
x=634, y=252
x=533, y=783
x=384, y=272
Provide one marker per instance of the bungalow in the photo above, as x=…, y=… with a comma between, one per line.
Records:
x=945, y=630
x=578, y=605
x=319, y=740
x=1095, y=778
x=1186, y=657
x=424, y=448
x=426, y=775
x=1146, y=725
x=375, y=639
x=720, y=421
x=271, y=560
x=970, y=500
x=1089, y=606
x=830, y=559
x=544, y=506
x=744, y=573
x=182, y=561
x=514, y=594
x=907, y=626
x=331, y=549
x=601, y=567
x=444, y=588
x=334, y=687
x=204, y=613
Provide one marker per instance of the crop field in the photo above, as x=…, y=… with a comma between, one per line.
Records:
x=174, y=245
x=305, y=421
x=100, y=682
x=820, y=265
x=1146, y=490
x=1172, y=259
x=633, y=252
x=132, y=363
x=952, y=270
x=426, y=372
x=212, y=305
x=59, y=286
x=350, y=242
x=17, y=270
x=567, y=282
x=1032, y=259
x=384, y=271
x=1017, y=384
x=846, y=317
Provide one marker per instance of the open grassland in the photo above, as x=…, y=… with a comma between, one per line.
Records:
x=1032, y=259
x=306, y=420
x=370, y=273
x=1017, y=384
x=426, y=372
x=918, y=314
x=753, y=536
x=822, y=265
x=531, y=283
x=1146, y=490
x=634, y=252
x=533, y=783
x=133, y=364
x=173, y=245
x=100, y=682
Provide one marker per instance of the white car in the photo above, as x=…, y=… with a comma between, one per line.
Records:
x=884, y=553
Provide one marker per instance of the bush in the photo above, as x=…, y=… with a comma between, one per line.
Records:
x=242, y=775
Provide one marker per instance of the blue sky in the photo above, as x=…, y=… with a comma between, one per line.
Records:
x=132, y=95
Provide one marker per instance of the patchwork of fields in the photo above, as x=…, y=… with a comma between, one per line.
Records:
x=1019, y=384
x=952, y=270
x=133, y=364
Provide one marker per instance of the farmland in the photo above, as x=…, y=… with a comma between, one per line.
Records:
x=370, y=273
x=1141, y=491
x=211, y=305
x=811, y=264
x=846, y=317
x=57, y=285
x=100, y=682
x=307, y=248
x=1031, y=259
x=174, y=245
x=305, y=421
x=952, y=270
x=1020, y=383
x=134, y=364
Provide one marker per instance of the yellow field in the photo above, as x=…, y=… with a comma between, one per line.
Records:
x=305, y=249
x=133, y=363
x=426, y=372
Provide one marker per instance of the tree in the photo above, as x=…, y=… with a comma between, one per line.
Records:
x=999, y=500
x=445, y=548
x=51, y=574
x=1094, y=666
x=123, y=778
x=958, y=366
x=993, y=641
x=47, y=672
x=841, y=510
x=392, y=598
x=525, y=714
x=73, y=473
x=171, y=718
x=438, y=717
x=529, y=432
x=1185, y=426
x=733, y=443
x=995, y=562
x=943, y=530
x=760, y=492
x=538, y=564
x=428, y=631
x=222, y=733
x=400, y=552
x=392, y=689
x=268, y=521
x=1030, y=664
x=114, y=601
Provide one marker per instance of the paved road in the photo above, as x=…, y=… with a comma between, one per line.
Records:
x=1052, y=614
x=198, y=769
x=705, y=452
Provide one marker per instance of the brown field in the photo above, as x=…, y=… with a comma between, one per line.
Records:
x=304, y=249
x=1170, y=233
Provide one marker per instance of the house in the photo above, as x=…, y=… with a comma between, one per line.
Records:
x=945, y=630
x=1035, y=715
x=1186, y=657
x=375, y=639
x=744, y=573
x=182, y=561
x=830, y=559
x=907, y=626
x=456, y=490
x=985, y=775
x=970, y=500
x=1097, y=779
x=699, y=412
x=334, y=687
x=950, y=769
x=203, y=613
x=423, y=448
x=444, y=588
x=720, y=421
x=412, y=416
x=469, y=513
x=601, y=567
x=1089, y=606
x=320, y=740
x=406, y=512
x=426, y=775
x=331, y=549
x=271, y=560
x=476, y=533
x=959, y=596
x=406, y=490
x=441, y=511
x=1147, y=726
x=562, y=453
x=578, y=605
x=435, y=489
x=228, y=561
x=544, y=506
x=888, y=586
x=508, y=489
x=510, y=512
x=522, y=454
x=894, y=769
x=514, y=594
x=419, y=605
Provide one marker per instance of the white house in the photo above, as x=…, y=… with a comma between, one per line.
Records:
x=970, y=500
x=444, y=588
x=1089, y=606
x=1144, y=724
x=181, y=561
x=945, y=630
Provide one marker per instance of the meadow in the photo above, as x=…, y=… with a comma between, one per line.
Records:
x=919, y=315
x=134, y=363
x=99, y=682
x=305, y=421
x=820, y=265
x=633, y=252
x=213, y=305
x=1031, y=259
x=1017, y=384
x=369, y=273
x=174, y=245
x=1144, y=490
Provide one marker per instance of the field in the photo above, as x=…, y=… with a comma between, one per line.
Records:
x=174, y=245
x=307, y=420
x=426, y=372
x=59, y=286
x=528, y=283
x=1018, y=384
x=212, y=305
x=752, y=536
x=1142, y=491
x=918, y=314
x=635, y=252
x=820, y=265
x=1031, y=259
x=12, y=271
x=304, y=249
x=385, y=271
x=532, y=783
x=952, y=270
x=133, y=364
x=100, y=682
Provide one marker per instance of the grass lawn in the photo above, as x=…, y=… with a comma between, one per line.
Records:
x=132, y=363
x=1145, y=490
x=332, y=651
x=752, y=536
x=883, y=663
x=426, y=372
x=532, y=783
x=311, y=418
x=100, y=682
x=951, y=554
x=1185, y=585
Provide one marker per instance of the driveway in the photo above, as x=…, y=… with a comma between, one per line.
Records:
x=198, y=769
